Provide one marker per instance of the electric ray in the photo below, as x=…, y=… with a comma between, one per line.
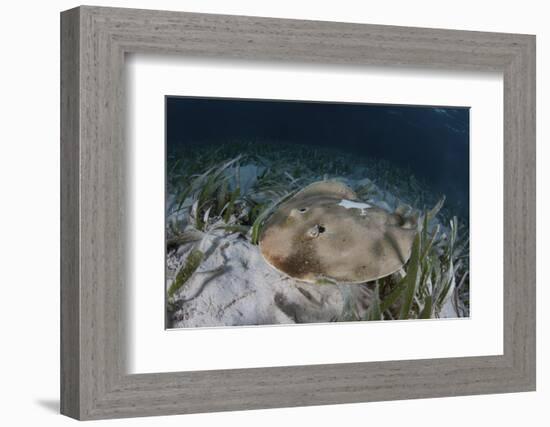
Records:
x=324, y=234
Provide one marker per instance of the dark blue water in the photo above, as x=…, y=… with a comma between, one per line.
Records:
x=431, y=142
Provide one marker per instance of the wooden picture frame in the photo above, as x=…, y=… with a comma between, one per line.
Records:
x=94, y=41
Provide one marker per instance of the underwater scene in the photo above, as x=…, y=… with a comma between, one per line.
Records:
x=285, y=212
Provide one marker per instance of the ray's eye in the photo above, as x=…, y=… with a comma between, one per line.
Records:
x=302, y=210
x=316, y=230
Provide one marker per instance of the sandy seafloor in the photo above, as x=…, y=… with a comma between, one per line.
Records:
x=234, y=285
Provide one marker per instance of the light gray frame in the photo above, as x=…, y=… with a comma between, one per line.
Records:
x=94, y=41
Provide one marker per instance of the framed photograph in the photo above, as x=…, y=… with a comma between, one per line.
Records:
x=262, y=213
x=283, y=212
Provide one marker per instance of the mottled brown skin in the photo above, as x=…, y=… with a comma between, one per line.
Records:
x=312, y=238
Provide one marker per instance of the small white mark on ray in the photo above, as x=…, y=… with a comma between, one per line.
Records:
x=349, y=204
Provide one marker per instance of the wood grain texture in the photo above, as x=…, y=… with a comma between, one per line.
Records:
x=70, y=292
x=94, y=382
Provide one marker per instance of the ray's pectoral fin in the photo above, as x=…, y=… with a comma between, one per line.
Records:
x=398, y=239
